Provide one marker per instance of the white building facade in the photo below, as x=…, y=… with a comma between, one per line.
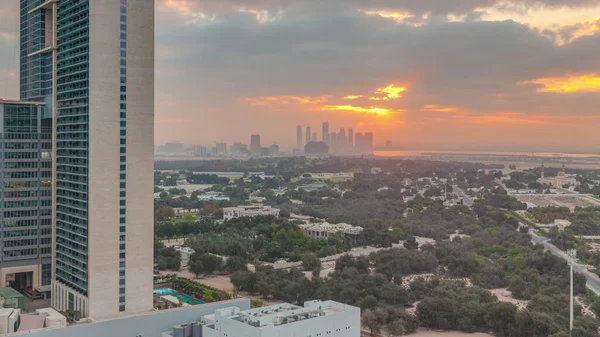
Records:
x=249, y=211
x=315, y=319
x=103, y=170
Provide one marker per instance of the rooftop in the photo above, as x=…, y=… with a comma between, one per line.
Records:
x=275, y=315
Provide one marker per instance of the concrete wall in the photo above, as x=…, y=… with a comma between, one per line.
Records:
x=145, y=325
x=104, y=154
x=140, y=156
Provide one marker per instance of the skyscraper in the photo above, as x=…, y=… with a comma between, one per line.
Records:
x=341, y=139
x=359, y=142
x=369, y=141
x=325, y=135
x=37, y=51
x=104, y=115
x=26, y=170
x=351, y=138
x=314, y=137
x=308, y=133
x=299, y=137
x=26, y=194
x=255, y=145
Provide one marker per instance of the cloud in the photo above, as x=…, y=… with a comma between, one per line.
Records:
x=286, y=100
x=568, y=84
x=367, y=110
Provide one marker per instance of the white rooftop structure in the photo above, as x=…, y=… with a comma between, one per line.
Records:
x=212, y=195
x=329, y=176
x=249, y=211
x=316, y=318
x=322, y=230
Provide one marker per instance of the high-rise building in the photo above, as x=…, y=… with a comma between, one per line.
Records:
x=342, y=138
x=37, y=51
x=239, y=148
x=325, y=135
x=26, y=194
x=221, y=148
x=26, y=169
x=299, y=137
x=359, y=142
x=351, y=138
x=314, y=137
x=333, y=142
x=103, y=169
x=174, y=147
x=369, y=141
x=255, y=145
x=308, y=134
x=274, y=150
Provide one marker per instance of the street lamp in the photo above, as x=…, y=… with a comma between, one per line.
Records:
x=572, y=253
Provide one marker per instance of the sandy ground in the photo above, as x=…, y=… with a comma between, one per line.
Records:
x=429, y=333
x=504, y=295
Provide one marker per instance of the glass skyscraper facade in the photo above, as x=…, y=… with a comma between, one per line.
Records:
x=25, y=194
x=26, y=149
x=72, y=112
x=36, y=47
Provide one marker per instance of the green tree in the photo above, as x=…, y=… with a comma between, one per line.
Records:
x=411, y=243
x=196, y=268
x=310, y=262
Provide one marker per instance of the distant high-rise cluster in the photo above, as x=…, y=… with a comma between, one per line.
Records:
x=343, y=142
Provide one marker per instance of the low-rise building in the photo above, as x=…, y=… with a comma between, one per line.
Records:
x=316, y=318
x=249, y=211
x=323, y=230
x=317, y=185
x=213, y=196
x=183, y=211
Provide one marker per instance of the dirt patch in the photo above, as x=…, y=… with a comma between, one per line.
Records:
x=505, y=295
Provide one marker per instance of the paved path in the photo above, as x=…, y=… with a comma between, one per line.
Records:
x=467, y=200
x=593, y=281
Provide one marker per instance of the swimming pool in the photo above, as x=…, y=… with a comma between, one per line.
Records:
x=187, y=299
x=164, y=291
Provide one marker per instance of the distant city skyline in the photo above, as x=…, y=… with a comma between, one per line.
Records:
x=489, y=75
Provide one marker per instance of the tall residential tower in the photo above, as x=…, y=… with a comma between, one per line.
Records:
x=299, y=137
x=103, y=168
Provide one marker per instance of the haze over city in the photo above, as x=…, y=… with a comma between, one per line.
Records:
x=513, y=75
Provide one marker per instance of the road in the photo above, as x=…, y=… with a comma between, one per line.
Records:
x=593, y=281
x=467, y=200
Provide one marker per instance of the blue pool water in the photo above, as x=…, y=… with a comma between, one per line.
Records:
x=164, y=291
x=185, y=298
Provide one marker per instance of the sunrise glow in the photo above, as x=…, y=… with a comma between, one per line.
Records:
x=388, y=93
x=264, y=100
x=182, y=6
x=568, y=84
x=438, y=108
x=353, y=97
x=352, y=108
x=398, y=16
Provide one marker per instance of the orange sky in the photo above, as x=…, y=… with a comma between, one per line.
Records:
x=453, y=74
